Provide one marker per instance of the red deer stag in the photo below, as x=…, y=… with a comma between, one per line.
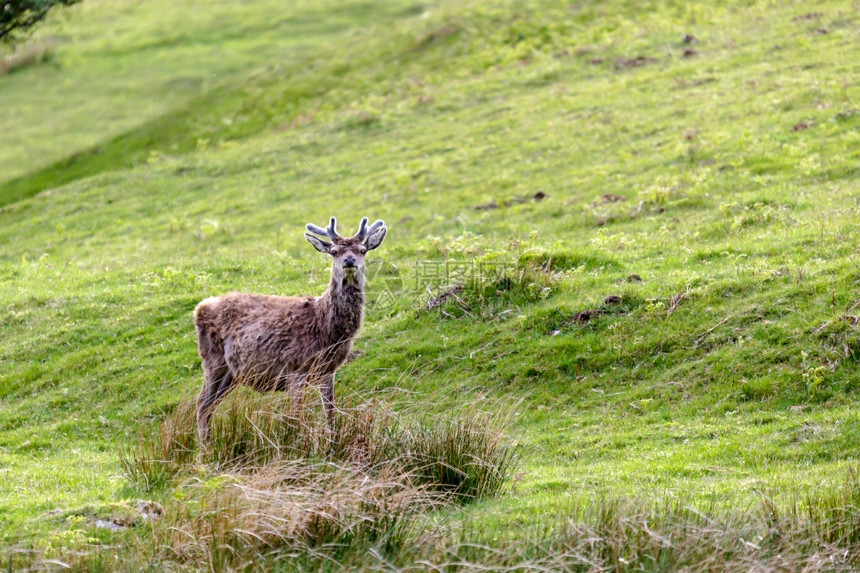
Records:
x=286, y=343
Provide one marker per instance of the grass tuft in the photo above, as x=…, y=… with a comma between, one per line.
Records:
x=286, y=507
x=467, y=457
x=272, y=485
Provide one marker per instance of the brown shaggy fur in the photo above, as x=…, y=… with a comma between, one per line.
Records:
x=285, y=343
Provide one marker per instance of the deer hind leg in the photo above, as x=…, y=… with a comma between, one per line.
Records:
x=217, y=382
x=327, y=392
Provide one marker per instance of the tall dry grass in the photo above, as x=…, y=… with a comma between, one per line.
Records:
x=273, y=485
x=289, y=510
x=465, y=456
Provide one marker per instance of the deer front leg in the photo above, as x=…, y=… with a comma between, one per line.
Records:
x=327, y=391
x=296, y=390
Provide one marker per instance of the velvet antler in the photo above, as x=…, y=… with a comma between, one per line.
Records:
x=330, y=231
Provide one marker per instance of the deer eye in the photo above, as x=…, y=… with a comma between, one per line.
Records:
x=362, y=250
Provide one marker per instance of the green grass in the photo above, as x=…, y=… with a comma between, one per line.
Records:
x=729, y=371
x=127, y=81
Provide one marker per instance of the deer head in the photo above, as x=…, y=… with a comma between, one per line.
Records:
x=347, y=252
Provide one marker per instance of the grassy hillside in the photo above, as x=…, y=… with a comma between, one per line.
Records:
x=660, y=234
x=126, y=78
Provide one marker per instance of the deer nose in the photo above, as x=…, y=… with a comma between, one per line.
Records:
x=349, y=262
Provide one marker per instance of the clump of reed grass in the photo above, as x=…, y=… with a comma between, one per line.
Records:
x=466, y=456
x=276, y=481
x=289, y=508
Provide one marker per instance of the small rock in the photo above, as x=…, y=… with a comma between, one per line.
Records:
x=690, y=39
x=800, y=126
x=612, y=299
x=104, y=524
x=634, y=278
x=690, y=52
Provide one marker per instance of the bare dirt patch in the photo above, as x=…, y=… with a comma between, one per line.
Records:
x=611, y=198
x=808, y=16
x=587, y=315
x=636, y=62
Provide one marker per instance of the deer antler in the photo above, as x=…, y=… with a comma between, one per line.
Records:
x=362, y=228
x=364, y=231
x=330, y=231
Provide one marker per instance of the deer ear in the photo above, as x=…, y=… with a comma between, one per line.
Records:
x=319, y=244
x=375, y=238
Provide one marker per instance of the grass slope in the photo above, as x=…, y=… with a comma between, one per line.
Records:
x=126, y=80
x=711, y=185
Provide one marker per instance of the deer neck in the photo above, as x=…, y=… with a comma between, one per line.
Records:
x=342, y=306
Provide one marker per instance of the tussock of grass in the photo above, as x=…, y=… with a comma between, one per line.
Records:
x=154, y=457
x=287, y=507
x=466, y=457
x=489, y=289
x=271, y=484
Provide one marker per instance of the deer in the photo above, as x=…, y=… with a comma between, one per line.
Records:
x=286, y=343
